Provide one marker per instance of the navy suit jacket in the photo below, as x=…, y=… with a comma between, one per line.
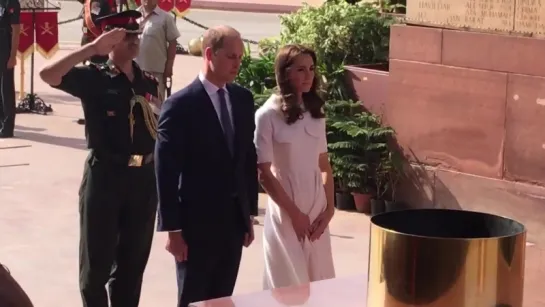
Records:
x=196, y=174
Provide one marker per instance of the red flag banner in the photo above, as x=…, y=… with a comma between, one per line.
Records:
x=166, y=5
x=181, y=8
x=47, y=33
x=26, y=38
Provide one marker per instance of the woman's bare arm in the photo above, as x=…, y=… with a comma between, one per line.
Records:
x=327, y=177
x=275, y=190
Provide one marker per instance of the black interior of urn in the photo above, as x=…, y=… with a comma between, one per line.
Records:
x=443, y=223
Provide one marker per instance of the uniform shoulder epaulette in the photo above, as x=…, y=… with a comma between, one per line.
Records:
x=99, y=66
x=150, y=77
x=106, y=68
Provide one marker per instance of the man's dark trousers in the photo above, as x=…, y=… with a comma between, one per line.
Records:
x=213, y=259
x=117, y=216
x=7, y=92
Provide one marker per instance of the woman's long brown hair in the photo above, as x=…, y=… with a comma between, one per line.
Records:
x=313, y=103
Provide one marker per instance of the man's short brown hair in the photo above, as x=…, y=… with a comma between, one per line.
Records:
x=214, y=38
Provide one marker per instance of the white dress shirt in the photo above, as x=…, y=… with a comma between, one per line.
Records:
x=212, y=91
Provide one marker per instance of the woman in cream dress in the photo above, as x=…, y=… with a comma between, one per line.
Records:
x=294, y=170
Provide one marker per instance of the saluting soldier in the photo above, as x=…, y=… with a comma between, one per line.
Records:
x=118, y=196
x=92, y=10
x=9, y=41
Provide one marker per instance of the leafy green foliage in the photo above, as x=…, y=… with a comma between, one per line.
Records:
x=387, y=6
x=257, y=73
x=341, y=34
x=268, y=46
x=393, y=6
x=358, y=148
x=387, y=174
x=260, y=99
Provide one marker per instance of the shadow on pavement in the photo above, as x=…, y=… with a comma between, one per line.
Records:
x=52, y=140
x=14, y=165
x=24, y=128
x=60, y=98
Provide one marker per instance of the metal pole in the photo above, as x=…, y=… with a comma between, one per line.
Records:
x=22, y=79
x=31, y=102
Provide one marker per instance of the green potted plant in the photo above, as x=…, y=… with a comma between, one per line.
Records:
x=339, y=110
x=343, y=199
x=394, y=168
x=350, y=173
x=379, y=159
x=380, y=177
x=341, y=168
x=349, y=149
x=386, y=175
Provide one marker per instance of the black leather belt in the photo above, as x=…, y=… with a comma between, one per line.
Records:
x=127, y=160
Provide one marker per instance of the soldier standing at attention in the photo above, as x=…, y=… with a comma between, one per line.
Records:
x=157, y=43
x=92, y=10
x=118, y=197
x=9, y=41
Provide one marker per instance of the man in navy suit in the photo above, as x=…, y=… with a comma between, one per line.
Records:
x=206, y=167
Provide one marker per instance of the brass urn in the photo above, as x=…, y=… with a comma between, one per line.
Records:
x=195, y=46
x=445, y=258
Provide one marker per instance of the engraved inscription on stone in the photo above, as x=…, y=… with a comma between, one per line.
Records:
x=32, y=4
x=530, y=16
x=481, y=14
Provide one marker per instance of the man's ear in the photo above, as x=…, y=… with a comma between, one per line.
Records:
x=208, y=53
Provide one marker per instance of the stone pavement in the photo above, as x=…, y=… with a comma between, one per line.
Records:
x=40, y=171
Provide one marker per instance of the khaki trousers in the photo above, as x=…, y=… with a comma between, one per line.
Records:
x=11, y=293
x=162, y=86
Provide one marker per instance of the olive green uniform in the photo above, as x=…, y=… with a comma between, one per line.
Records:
x=117, y=194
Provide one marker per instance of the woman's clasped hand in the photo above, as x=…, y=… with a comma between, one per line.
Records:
x=313, y=231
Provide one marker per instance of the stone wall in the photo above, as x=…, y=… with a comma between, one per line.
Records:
x=469, y=111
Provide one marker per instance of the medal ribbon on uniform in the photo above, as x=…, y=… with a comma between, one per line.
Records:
x=149, y=97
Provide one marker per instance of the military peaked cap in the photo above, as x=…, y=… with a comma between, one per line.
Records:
x=125, y=20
